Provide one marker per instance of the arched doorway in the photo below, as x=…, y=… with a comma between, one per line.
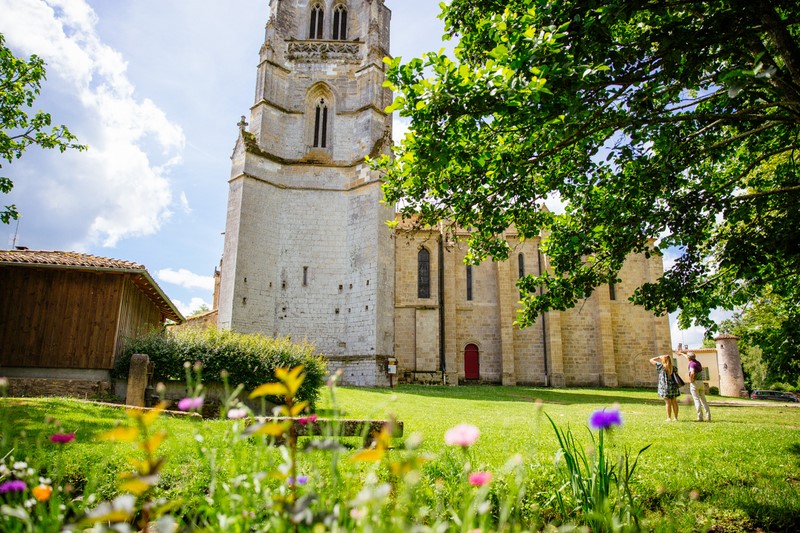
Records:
x=472, y=369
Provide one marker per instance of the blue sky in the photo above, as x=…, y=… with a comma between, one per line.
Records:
x=155, y=88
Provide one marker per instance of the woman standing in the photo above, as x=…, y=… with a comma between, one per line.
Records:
x=667, y=388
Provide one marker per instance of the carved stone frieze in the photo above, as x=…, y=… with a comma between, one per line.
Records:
x=312, y=51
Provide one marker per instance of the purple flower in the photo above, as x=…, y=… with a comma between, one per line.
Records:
x=301, y=480
x=191, y=404
x=603, y=419
x=62, y=438
x=13, y=486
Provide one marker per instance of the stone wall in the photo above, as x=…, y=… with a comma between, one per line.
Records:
x=600, y=342
x=74, y=388
x=360, y=371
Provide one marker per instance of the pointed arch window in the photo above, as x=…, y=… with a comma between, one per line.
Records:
x=340, y=22
x=317, y=19
x=321, y=124
x=424, y=274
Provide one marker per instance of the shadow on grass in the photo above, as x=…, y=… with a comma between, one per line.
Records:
x=41, y=417
x=572, y=396
x=794, y=449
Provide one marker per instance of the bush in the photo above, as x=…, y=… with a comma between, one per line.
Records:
x=250, y=360
x=713, y=391
x=785, y=387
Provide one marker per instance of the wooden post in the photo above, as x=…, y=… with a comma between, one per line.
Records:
x=137, y=380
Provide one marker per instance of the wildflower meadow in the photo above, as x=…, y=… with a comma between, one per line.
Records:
x=471, y=459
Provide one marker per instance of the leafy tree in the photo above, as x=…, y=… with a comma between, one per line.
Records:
x=770, y=331
x=203, y=308
x=674, y=122
x=20, y=83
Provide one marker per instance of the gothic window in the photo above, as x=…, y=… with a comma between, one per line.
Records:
x=521, y=262
x=469, y=282
x=612, y=291
x=321, y=124
x=424, y=274
x=317, y=18
x=340, y=22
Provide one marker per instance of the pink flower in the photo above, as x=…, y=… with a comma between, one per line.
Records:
x=307, y=419
x=62, y=438
x=479, y=479
x=235, y=414
x=463, y=435
x=191, y=404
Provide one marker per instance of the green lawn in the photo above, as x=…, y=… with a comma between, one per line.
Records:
x=739, y=473
x=743, y=467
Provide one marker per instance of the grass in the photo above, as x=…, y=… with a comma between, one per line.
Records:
x=739, y=473
x=742, y=467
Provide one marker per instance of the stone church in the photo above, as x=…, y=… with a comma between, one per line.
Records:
x=308, y=253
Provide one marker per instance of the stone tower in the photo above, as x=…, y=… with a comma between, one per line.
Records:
x=731, y=376
x=307, y=250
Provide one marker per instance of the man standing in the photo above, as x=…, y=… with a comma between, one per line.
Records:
x=697, y=388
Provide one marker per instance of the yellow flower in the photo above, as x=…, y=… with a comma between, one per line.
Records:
x=42, y=492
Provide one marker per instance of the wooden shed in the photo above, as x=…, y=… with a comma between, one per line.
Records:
x=65, y=310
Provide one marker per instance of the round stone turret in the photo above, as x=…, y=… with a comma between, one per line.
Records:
x=731, y=376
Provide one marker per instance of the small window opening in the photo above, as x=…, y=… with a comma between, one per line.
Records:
x=340, y=22
x=305, y=276
x=317, y=18
x=612, y=291
x=469, y=282
x=321, y=124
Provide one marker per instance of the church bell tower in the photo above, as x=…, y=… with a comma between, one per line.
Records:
x=307, y=250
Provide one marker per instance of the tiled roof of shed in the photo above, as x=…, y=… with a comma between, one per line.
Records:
x=42, y=257
x=74, y=260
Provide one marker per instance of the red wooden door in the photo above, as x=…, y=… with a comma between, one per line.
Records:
x=472, y=369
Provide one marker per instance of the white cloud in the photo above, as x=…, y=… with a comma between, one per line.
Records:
x=693, y=337
x=670, y=257
x=119, y=187
x=185, y=204
x=186, y=278
x=187, y=309
x=399, y=130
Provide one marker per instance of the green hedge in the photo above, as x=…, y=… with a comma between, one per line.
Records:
x=249, y=359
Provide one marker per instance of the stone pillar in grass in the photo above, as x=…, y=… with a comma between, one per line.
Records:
x=731, y=376
x=137, y=380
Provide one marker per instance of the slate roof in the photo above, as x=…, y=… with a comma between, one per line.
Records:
x=75, y=260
